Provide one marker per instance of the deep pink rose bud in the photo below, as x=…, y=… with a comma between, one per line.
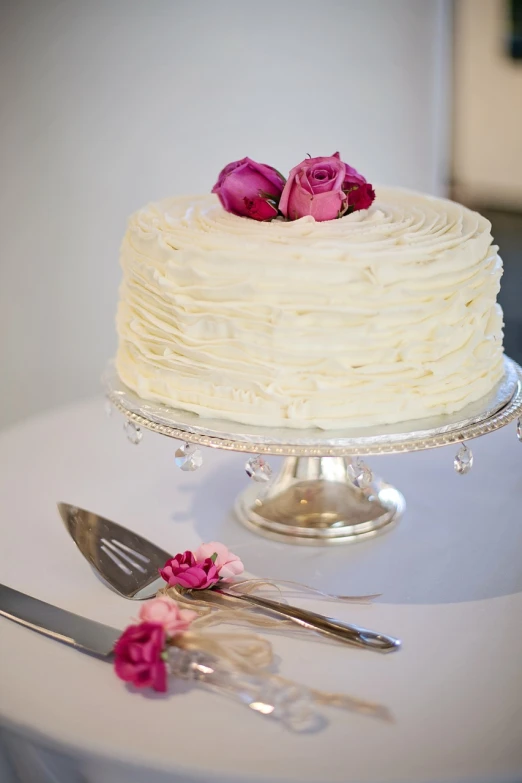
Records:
x=250, y=189
x=361, y=197
x=321, y=187
x=184, y=570
x=138, y=656
x=359, y=192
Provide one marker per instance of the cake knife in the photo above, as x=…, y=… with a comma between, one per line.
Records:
x=290, y=703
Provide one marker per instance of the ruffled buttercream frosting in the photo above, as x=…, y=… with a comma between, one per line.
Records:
x=385, y=315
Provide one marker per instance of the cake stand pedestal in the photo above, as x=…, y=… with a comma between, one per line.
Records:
x=314, y=500
x=324, y=492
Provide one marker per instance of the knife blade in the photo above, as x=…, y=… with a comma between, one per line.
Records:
x=274, y=699
x=83, y=634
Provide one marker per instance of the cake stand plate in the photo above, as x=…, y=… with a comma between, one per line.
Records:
x=324, y=493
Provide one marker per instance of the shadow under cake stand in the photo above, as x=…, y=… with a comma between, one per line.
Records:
x=324, y=492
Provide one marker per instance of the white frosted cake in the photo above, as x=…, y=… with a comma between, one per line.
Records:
x=388, y=314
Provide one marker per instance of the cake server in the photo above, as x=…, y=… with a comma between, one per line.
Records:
x=130, y=563
x=289, y=703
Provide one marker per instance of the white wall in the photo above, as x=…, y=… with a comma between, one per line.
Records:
x=488, y=107
x=107, y=104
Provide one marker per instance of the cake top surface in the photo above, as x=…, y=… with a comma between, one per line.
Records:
x=401, y=225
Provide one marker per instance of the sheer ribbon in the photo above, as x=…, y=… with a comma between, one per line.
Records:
x=252, y=654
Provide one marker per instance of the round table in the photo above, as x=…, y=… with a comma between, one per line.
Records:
x=450, y=575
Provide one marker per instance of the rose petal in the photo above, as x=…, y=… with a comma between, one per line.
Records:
x=159, y=677
x=187, y=615
x=227, y=170
x=259, y=209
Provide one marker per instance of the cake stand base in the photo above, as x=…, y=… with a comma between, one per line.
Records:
x=322, y=495
x=314, y=501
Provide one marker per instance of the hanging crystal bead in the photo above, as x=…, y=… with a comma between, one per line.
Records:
x=359, y=473
x=258, y=469
x=463, y=462
x=109, y=408
x=133, y=432
x=519, y=430
x=188, y=457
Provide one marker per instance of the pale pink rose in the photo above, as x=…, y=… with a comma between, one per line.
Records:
x=228, y=564
x=165, y=611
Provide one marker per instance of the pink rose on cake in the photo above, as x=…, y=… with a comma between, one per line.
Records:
x=250, y=189
x=325, y=188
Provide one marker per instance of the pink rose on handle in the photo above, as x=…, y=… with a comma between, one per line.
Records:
x=227, y=563
x=250, y=189
x=184, y=570
x=138, y=656
x=165, y=611
x=325, y=188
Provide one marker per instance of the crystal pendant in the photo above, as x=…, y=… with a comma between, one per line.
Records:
x=463, y=462
x=133, y=432
x=109, y=409
x=258, y=469
x=359, y=473
x=519, y=430
x=188, y=457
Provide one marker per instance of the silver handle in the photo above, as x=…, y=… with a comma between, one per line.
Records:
x=344, y=632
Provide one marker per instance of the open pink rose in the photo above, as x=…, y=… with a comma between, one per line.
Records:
x=315, y=187
x=165, y=612
x=137, y=656
x=184, y=570
x=227, y=563
x=325, y=188
x=249, y=189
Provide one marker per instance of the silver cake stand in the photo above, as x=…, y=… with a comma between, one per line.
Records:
x=324, y=492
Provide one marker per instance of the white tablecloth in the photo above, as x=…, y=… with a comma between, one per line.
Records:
x=450, y=574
